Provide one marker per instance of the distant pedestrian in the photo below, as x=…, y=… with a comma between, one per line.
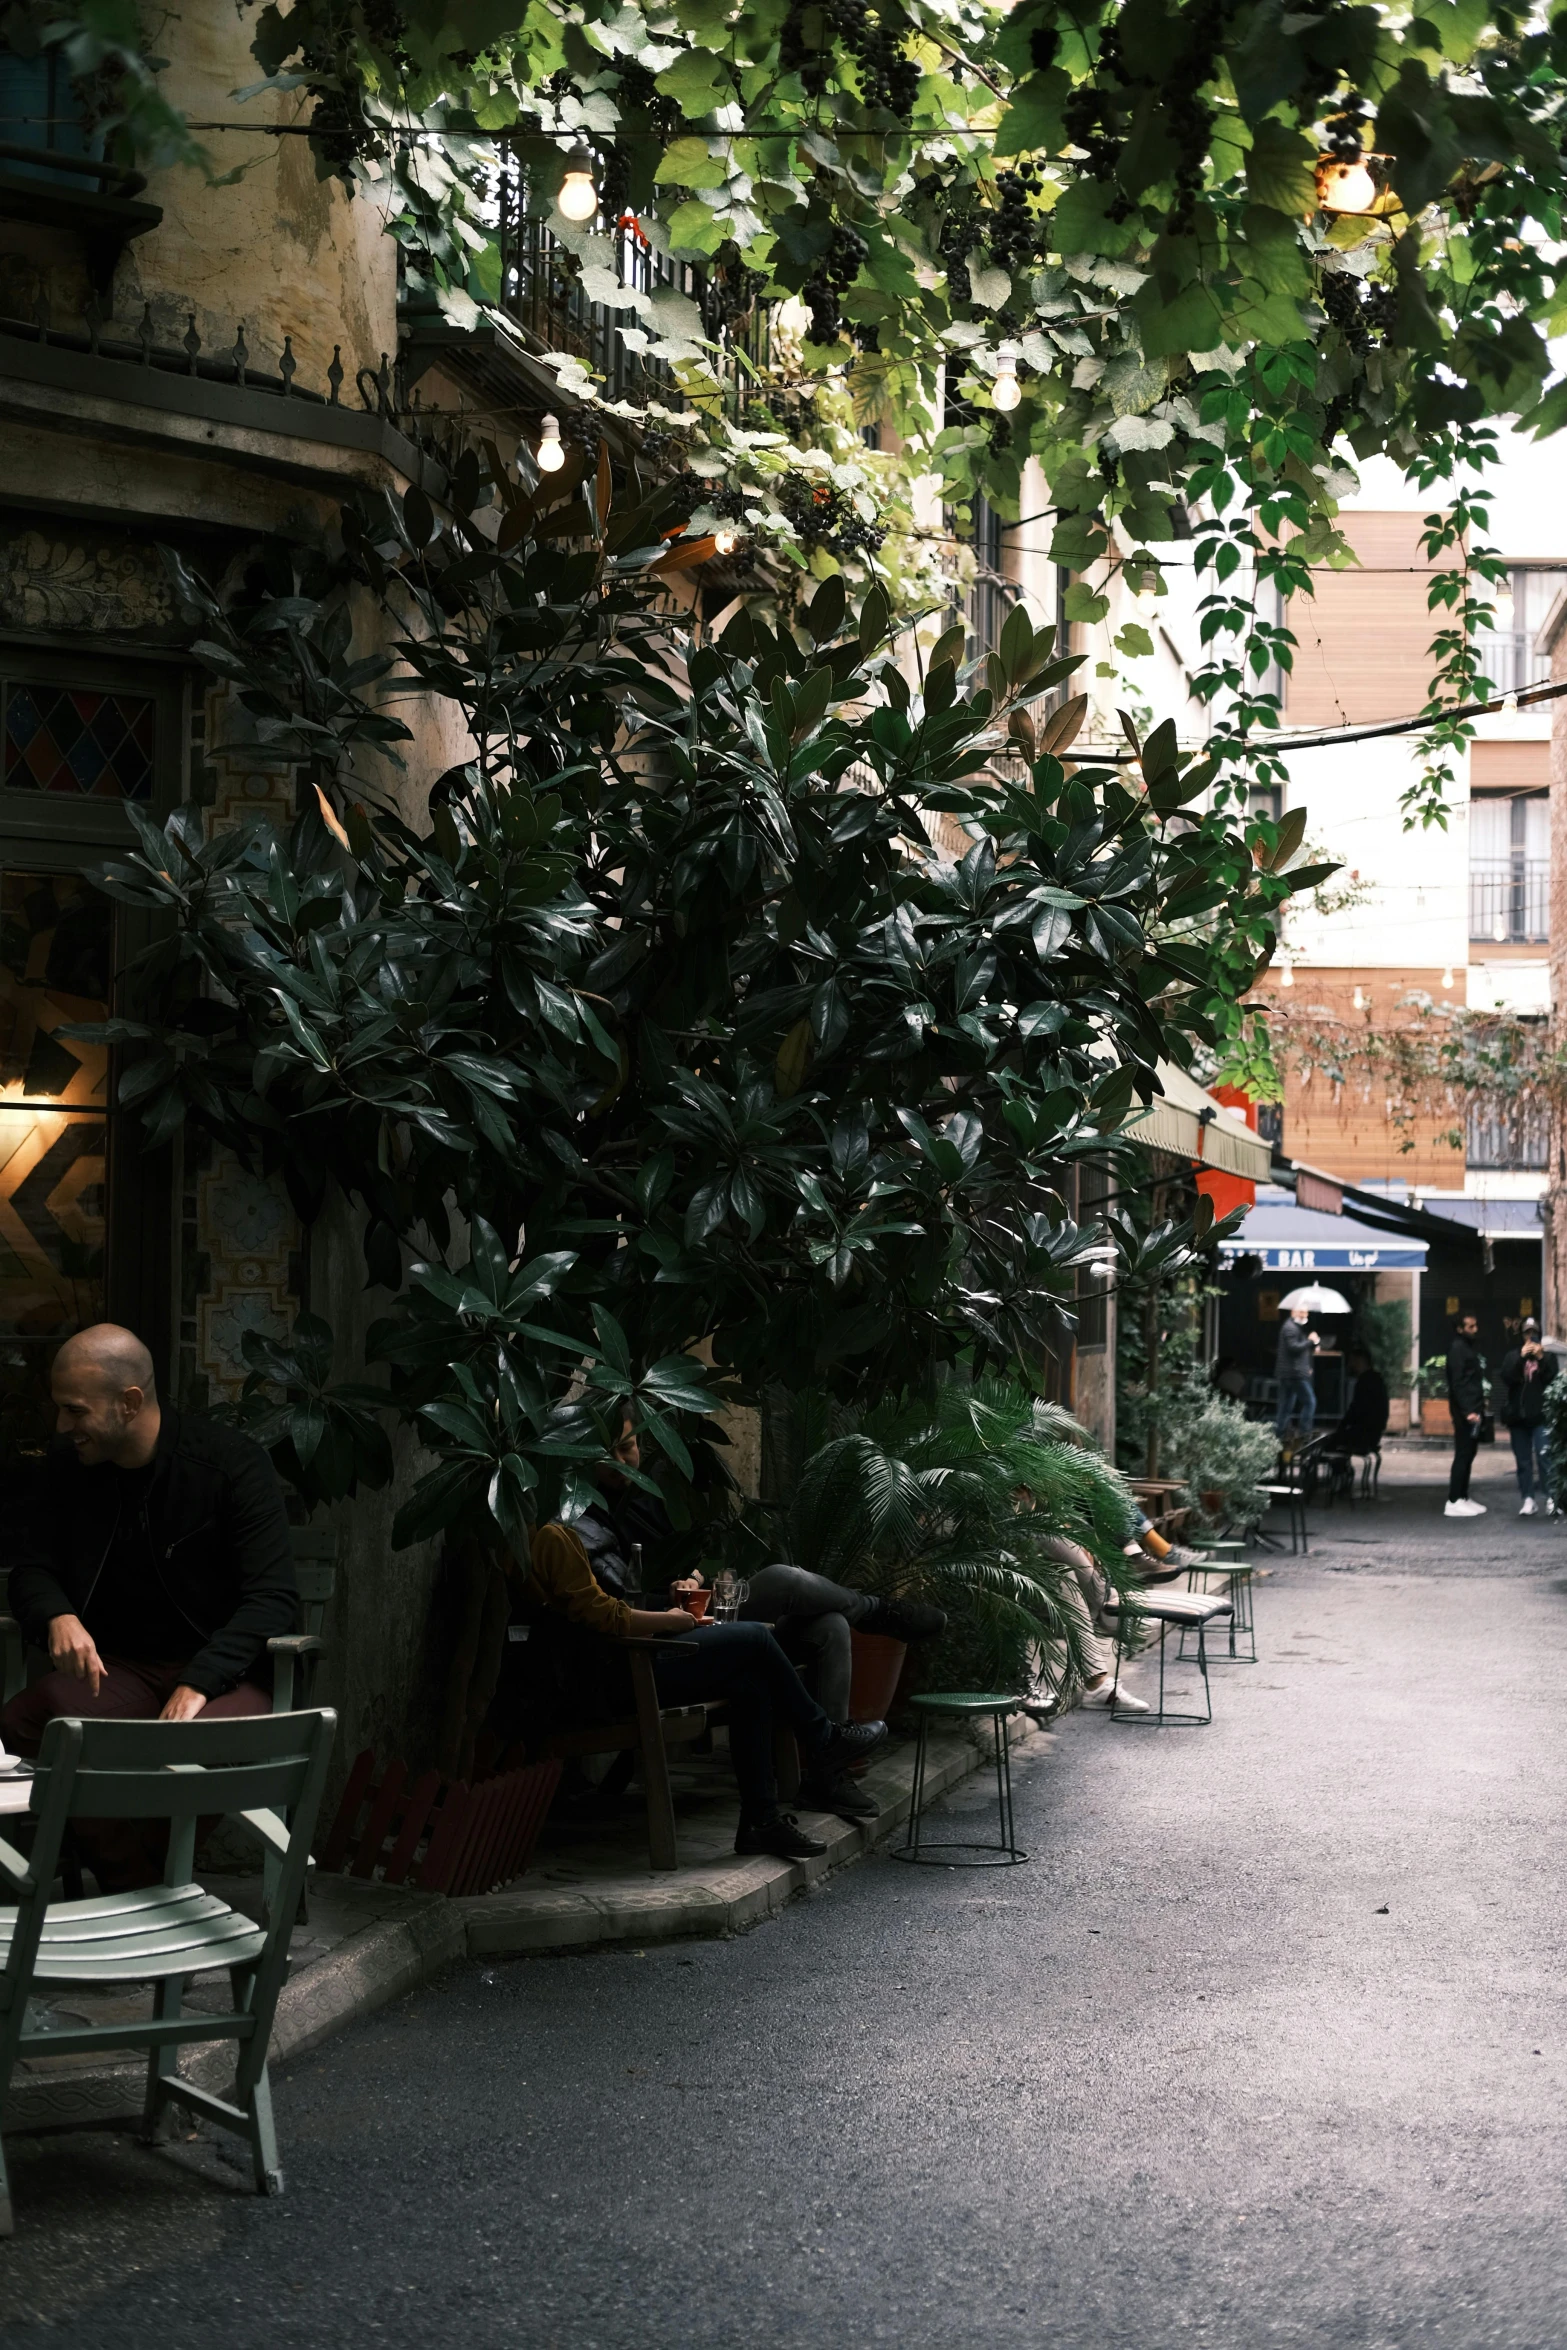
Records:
x=1466, y=1402
x=1526, y=1374
x=1297, y=1386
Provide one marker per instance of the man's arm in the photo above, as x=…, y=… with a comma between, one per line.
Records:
x=256, y=1529
x=36, y=1591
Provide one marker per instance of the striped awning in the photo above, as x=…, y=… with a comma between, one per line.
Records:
x=1190, y=1124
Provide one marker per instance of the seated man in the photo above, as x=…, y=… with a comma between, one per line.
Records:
x=739, y=1664
x=1365, y=1422
x=153, y=1566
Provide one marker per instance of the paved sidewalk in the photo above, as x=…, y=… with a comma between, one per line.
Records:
x=366, y=1944
x=1264, y=2049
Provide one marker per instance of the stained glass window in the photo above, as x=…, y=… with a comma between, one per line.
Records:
x=92, y=745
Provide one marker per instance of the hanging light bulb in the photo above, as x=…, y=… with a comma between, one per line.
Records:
x=579, y=195
x=1287, y=975
x=1447, y=976
x=725, y=540
x=1344, y=184
x=1359, y=1000
x=1007, y=391
x=551, y=454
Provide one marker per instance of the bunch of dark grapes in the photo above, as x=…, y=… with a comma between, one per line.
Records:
x=1017, y=235
x=888, y=76
x=826, y=517
x=833, y=275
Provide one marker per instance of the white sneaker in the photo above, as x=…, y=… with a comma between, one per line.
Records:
x=1125, y=1702
x=1464, y=1509
x=1528, y=1508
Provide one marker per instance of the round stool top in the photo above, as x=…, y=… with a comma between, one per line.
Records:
x=1211, y=1547
x=967, y=1701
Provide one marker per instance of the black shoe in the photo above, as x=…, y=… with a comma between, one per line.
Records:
x=850, y=1742
x=782, y=1835
x=842, y=1795
x=903, y=1619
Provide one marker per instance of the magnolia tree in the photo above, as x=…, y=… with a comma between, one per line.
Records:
x=666, y=1033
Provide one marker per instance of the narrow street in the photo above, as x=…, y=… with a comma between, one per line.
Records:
x=1266, y=2045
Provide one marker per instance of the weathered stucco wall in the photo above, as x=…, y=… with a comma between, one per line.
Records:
x=280, y=250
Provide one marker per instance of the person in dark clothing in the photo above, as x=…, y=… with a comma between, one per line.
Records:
x=1466, y=1401
x=1292, y=1369
x=1365, y=1422
x=741, y=1665
x=154, y=1564
x=1526, y=1374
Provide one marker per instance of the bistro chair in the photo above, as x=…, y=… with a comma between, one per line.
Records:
x=1185, y=1611
x=255, y=1768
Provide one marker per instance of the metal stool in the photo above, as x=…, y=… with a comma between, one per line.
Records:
x=1130, y=1616
x=962, y=1703
x=1238, y=1591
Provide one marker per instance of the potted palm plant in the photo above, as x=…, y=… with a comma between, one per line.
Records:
x=959, y=1501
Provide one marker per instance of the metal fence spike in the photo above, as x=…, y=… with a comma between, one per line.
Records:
x=288, y=365
x=334, y=374
x=192, y=342
x=144, y=335
x=239, y=354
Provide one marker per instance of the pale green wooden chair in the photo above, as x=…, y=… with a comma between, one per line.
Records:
x=255, y=1769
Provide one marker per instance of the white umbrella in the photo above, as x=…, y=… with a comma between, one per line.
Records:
x=1316, y=1300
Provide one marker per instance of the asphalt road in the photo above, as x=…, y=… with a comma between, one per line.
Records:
x=1265, y=2046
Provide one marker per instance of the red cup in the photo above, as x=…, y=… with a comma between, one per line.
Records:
x=696, y=1603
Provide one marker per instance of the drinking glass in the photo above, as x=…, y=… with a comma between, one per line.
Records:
x=729, y=1595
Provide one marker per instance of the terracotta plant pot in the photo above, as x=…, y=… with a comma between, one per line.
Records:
x=878, y=1665
x=1436, y=1418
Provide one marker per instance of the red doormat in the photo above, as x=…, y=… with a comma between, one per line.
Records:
x=439, y=1834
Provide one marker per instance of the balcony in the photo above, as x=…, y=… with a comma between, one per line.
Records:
x=1509, y=659
x=1509, y=900
x=1513, y=1138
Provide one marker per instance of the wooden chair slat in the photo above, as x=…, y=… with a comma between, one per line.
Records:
x=230, y=1942
x=179, y=1795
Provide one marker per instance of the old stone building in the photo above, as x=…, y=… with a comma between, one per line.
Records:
x=184, y=367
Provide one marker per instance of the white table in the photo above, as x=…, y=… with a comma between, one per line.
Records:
x=15, y=1794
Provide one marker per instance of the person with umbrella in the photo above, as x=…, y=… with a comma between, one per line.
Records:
x=1292, y=1368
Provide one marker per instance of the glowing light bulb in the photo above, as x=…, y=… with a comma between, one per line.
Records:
x=551, y=455
x=1509, y=705
x=1447, y=976
x=725, y=541
x=1344, y=186
x=1287, y=975
x=1007, y=391
x=1359, y=1001
x=579, y=195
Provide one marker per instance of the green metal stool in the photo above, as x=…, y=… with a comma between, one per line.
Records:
x=960, y=1703
x=1237, y=1573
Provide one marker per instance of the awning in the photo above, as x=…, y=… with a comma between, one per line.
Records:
x=1190, y=1124
x=1291, y=1239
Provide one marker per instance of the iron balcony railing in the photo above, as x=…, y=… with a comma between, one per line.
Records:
x=1509, y=899
x=1509, y=659
x=1517, y=1137
x=542, y=291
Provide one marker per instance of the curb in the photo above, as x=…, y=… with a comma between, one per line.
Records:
x=393, y=1956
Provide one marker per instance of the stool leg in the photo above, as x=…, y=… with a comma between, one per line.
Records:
x=1004, y=1785
x=917, y=1792
x=1202, y=1667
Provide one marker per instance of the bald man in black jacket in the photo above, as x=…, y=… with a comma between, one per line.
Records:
x=154, y=1563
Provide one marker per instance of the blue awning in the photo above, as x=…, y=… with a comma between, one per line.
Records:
x=1290, y=1239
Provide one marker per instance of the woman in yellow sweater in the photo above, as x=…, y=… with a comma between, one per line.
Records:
x=740, y=1665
